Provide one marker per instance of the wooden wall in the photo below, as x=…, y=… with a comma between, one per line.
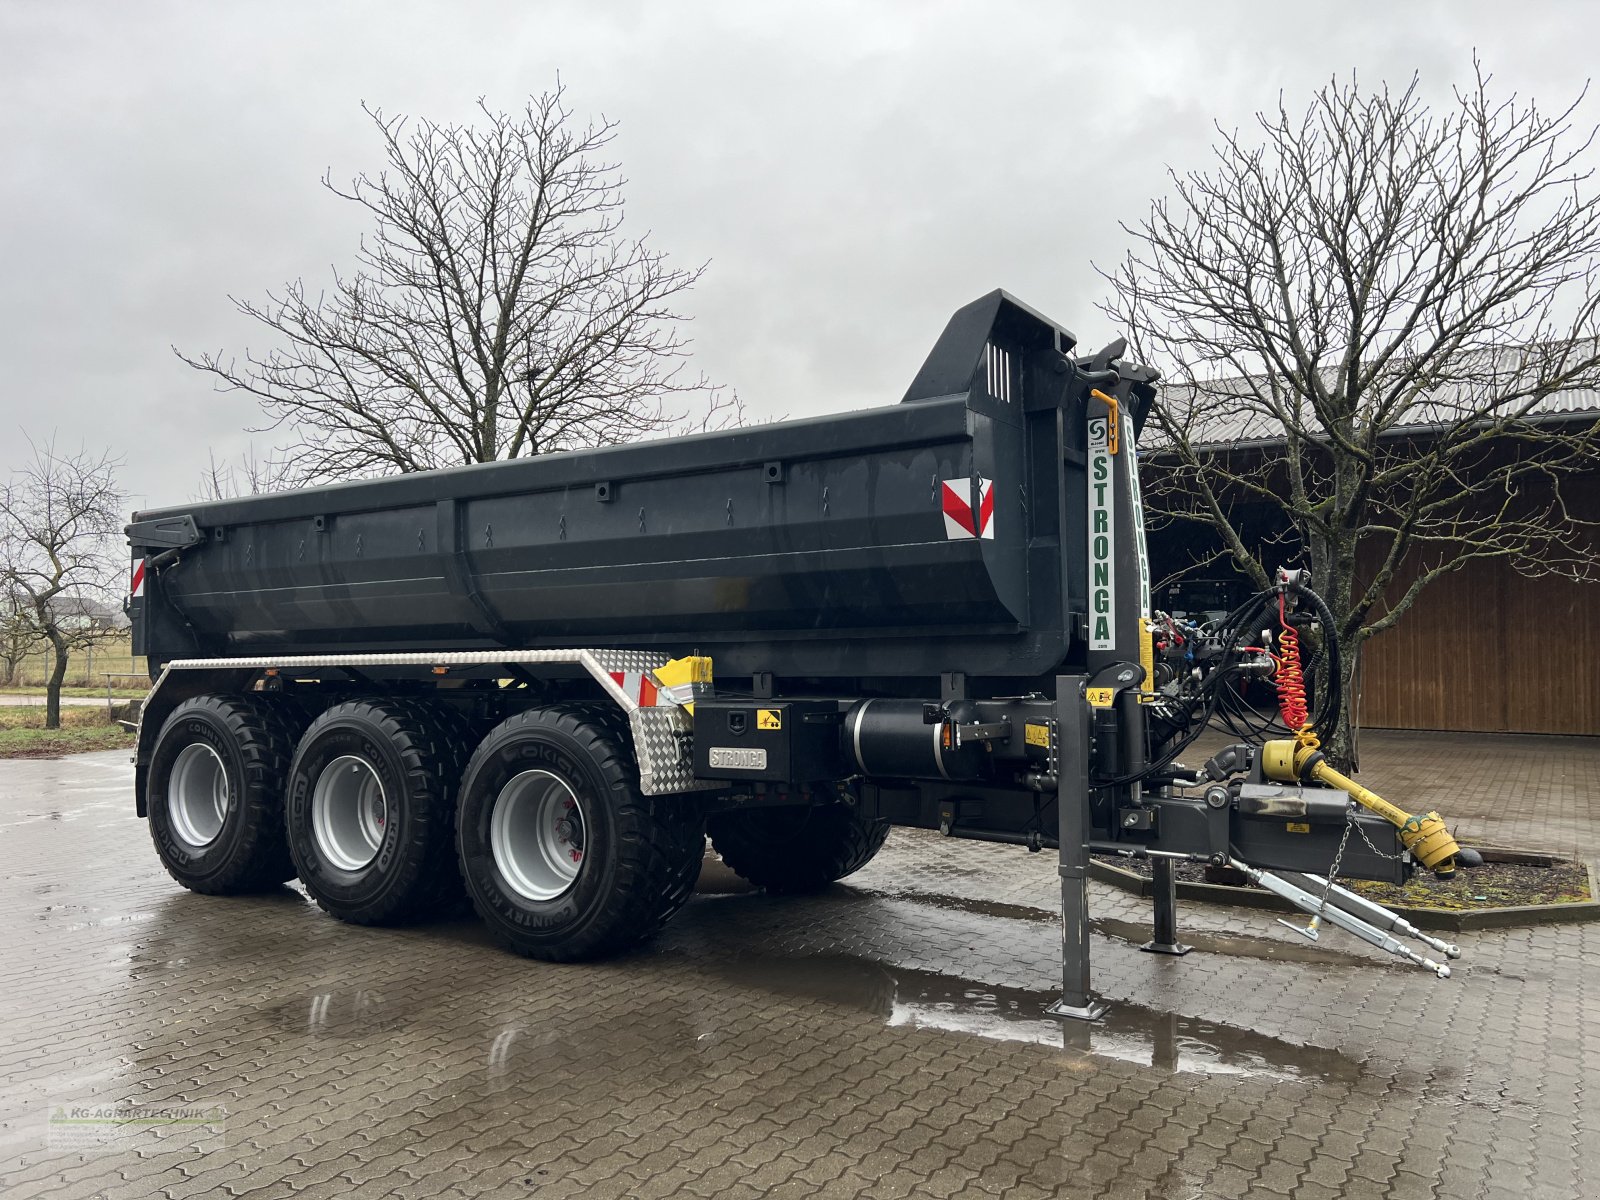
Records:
x=1485, y=649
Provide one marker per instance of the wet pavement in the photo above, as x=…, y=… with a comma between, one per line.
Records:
x=886, y=1038
x=1518, y=790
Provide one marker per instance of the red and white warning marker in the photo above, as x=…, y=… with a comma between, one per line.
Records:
x=138, y=579
x=959, y=518
x=639, y=685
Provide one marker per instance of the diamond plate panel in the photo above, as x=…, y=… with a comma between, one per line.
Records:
x=663, y=740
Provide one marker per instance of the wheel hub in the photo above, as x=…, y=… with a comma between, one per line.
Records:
x=197, y=796
x=349, y=811
x=537, y=835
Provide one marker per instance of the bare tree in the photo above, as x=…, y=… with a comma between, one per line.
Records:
x=59, y=521
x=250, y=474
x=1368, y=316
x=17, y=635
x=498, y=309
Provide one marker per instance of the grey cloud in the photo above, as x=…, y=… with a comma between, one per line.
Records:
x=852, y=171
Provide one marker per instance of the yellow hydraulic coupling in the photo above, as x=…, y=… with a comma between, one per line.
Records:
x=1425, y=836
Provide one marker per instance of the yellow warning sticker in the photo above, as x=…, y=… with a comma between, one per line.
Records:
x=1147, y=654
x=769, y=718
x=1100, y=697
x=1035, y=734
x=1297, y=826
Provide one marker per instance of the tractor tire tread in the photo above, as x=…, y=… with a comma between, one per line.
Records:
x=430, y=757
x=265, y=731
x=654, y=836
x=832, y=842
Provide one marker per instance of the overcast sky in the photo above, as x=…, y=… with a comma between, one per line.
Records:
x=853, y=172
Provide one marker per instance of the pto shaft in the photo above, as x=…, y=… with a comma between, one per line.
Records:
x=1425, y=836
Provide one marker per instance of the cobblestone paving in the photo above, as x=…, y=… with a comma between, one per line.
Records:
x=1529, y=792
x=884, y=1039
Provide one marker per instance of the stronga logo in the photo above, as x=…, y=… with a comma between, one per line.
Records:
x=1102, y=538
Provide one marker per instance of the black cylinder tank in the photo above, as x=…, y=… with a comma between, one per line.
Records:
x=892, y=739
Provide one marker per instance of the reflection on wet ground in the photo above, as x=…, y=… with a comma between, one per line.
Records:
x=1238, y=945
x=983, y=908
x=1130, y=1032
x=885, y=1037
x=346, y=1013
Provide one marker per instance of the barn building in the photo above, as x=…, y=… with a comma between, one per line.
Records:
x=1483, y=649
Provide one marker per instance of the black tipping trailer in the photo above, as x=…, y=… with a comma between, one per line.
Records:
x=547, y=679
x=940, y=534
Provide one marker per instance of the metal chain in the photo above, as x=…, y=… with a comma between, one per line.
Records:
x=1375, y=850
x=1338, y=857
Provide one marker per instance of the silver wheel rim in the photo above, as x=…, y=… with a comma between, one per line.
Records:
x=349, y=812
x=537, y=835
x=197, y=795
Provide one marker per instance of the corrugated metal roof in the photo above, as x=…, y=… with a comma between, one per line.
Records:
x=1241, y=410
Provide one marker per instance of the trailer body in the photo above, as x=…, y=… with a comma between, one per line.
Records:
x=935, y=614
x=900, y=541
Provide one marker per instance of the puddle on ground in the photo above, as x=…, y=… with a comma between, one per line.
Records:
x=896, y=996
x=53, y=911
x=1238, y=945
x=1241, y=945
x=1128, y=1033
x=114, y=920
x=983, y=908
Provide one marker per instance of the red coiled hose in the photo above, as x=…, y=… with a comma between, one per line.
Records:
x=1291, y=682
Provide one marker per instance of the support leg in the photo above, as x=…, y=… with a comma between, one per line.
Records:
x=1072, y=814
x=1165, y=886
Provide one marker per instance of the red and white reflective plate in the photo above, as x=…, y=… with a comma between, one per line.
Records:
x=959, y=519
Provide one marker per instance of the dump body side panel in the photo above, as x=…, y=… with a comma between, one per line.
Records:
x=910, y=540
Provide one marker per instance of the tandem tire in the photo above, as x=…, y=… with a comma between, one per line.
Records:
x=563, y=857
x=215, y=793
x=796, y=850
x=370, y=811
